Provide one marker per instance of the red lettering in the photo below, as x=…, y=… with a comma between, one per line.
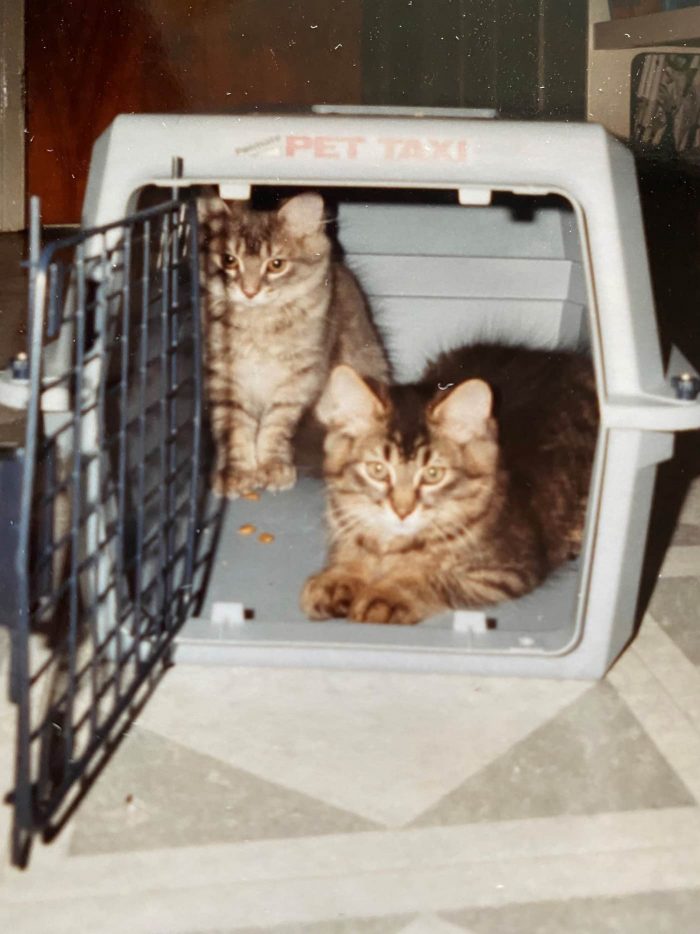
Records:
x=295, y=143
x=440, y=148
x=412, y=149
x=352, y=143
x=336, y=147
x=324, y=148
x=389, y=147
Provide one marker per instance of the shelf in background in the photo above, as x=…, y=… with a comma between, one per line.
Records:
x=674, y=27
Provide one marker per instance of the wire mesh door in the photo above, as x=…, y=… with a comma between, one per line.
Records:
x=110, y=499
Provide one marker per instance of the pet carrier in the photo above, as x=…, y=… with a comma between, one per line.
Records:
x=458, y=227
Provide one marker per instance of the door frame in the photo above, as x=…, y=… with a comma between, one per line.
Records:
x=12, y=115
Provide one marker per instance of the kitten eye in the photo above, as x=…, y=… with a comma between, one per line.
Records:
x=230, y=261
x=277, y=264
x=377, y=470
x=433, y=474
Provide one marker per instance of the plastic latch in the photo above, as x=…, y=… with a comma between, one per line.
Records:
x=469, y=621
x=234, y=191
x=224, y=612
x=474, y=195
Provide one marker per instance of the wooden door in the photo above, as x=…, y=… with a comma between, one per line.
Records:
x=89, y=60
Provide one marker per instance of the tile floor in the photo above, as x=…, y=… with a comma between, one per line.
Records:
x=324, y=802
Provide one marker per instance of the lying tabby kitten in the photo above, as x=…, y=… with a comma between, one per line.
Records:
x=279, y=314
x=461, y=491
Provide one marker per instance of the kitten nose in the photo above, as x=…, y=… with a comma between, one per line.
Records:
x=402, y=505
x=250, y=292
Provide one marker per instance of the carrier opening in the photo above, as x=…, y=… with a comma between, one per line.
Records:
x=437, y=274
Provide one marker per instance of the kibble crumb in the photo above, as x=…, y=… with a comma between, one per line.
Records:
x=246, y=529
x=252, y=495
x=266, y=538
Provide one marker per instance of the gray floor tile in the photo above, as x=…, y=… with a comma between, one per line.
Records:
x=686, y=534
x=676, y=607
x=592, y=757
x=648, y=913
x=158, y=793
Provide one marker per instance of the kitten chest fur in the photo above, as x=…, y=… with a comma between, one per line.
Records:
x=267, y=348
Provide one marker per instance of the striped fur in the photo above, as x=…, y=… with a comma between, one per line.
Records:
x=462, y=491
x=279, y=314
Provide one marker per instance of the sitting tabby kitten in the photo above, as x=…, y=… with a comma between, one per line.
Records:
x=279, y=314
x=461, y=491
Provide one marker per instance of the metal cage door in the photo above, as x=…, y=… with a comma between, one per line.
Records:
x=111, y=497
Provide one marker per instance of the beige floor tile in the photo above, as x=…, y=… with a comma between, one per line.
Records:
x=431, y=924
x=384, y=746
x=309, y=900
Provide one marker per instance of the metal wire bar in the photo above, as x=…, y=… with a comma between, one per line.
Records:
x=171, y=400
x=143, y=377
x=125, y=341
x=76, y=501
x=198, y=366
x=23, y=825
x=163, y=407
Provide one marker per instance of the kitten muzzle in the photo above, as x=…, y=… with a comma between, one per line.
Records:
x=402, y=503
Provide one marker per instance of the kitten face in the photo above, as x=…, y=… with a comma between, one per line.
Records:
x=402, y=469
x=262, y=258
x=396, y=495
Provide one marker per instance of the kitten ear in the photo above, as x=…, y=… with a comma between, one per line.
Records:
x=211, y=208
x=303, y=214
x=465, y=413
x=348, y=403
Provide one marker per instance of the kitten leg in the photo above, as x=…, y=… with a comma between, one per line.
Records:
x=330, y=592
x=276, y=469
x=234, y=431
x=488, y=585
x=398, y=600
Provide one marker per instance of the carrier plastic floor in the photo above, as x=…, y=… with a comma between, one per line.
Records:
x=253, y=591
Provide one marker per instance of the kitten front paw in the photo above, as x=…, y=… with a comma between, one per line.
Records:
x=232, y=482
x=329, y=594
x=385, y=604
x=277, y=475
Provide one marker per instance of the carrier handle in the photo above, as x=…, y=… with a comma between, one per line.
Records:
x=391, y=110
x=650, y=413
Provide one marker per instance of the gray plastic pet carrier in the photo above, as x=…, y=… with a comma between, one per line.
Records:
x=458, y=229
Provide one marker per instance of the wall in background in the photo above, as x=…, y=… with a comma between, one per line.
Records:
x=525, y=58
